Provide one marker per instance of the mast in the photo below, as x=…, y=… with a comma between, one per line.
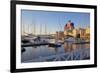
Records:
x=34, y=28
x=59, y=24
x=24, y=32
x=40, y=29
x=28, y=28
x=45, y=29
x=22, y=29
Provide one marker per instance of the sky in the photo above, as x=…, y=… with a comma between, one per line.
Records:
x=48, y=22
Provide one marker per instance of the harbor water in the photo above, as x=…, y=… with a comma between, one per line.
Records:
x=43, y=52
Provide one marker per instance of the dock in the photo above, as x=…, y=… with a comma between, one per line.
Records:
x=52, y=44
x=40, y=44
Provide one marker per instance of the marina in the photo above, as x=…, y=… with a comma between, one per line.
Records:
x=56, y=40
x=42, y=52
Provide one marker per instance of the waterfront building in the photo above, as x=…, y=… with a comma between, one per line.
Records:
x=69, y=26
x=59, y=35
x=82, y=33
x=69, y=29
x=87, y=33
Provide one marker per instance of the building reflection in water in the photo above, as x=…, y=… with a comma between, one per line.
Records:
x=68, y=47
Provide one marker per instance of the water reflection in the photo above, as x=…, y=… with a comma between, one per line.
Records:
x=45, y=51
x=68, y=47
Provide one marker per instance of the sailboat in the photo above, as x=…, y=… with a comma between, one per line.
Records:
x=60, y=36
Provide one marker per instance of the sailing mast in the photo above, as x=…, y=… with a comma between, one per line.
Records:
x=23, y=29
x=45, y=29
x=40, y=29
x=28, y=29
x=34, y=28
x=59, y=24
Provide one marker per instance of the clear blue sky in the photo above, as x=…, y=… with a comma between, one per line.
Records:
x=54, y=21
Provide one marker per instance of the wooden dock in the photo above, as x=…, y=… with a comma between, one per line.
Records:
x=40, y=44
